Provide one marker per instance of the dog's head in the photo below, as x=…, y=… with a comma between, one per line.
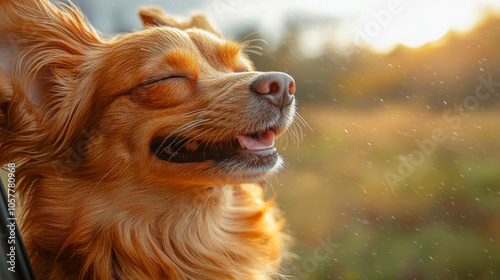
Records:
x=174, y=102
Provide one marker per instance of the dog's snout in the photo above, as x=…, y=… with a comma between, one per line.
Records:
x=278, y=88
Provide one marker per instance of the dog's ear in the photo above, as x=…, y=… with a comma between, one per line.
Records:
x=43, y=46
x=44, y=65
x=154, y=16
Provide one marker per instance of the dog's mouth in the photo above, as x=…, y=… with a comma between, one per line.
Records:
x=257, y=148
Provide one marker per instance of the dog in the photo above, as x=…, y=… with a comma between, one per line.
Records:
x=143, y=155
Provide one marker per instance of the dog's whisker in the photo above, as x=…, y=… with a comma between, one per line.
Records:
x=216, y=140
x=245, y=39
x=199, y=113
x=109, y=171
x=269, y=184
x=179, y=130
x=297, y=133
x=189, y=127
x=255, y=40
x=207, y=143
x=253, y=51
x=174, y=141
x=255, y=47
x=303, y=121
x=190, y=141
x=300, y=124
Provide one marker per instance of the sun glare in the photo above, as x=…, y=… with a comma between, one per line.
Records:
x=379, y=24
x=416, y=23
x=384, y=24
x=427, y=21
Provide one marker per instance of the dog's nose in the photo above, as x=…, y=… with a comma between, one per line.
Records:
x=278, y=88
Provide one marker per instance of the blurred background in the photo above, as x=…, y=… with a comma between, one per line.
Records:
x=398, y=172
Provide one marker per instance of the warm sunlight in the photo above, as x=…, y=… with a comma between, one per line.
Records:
x=422, y=22
x=379, y=24
x=361, y=138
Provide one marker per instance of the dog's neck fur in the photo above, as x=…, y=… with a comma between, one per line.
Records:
x=173, y=244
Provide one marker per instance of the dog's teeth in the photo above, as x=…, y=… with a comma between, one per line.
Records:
x=242, y=144
x=191, y=146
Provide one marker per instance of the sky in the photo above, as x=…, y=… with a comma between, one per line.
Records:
x=378, y=24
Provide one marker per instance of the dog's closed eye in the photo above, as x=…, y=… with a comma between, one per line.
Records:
x=158, y=80
x=169, y=91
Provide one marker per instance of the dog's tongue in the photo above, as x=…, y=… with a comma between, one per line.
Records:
x=264, y=142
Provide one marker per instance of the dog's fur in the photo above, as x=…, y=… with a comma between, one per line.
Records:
x=77, y=114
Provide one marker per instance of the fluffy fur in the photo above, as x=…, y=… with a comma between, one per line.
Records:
x=77, y=114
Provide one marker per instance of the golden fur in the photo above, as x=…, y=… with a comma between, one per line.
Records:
x=77, y=114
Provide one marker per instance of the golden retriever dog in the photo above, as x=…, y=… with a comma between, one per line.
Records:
x=140, y=156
